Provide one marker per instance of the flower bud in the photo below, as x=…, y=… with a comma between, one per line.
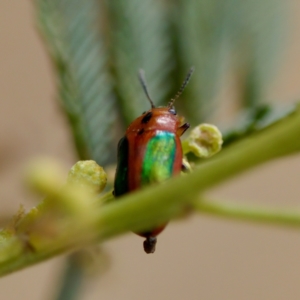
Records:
x=88, y=173
x=45, y=175
x=204, y=141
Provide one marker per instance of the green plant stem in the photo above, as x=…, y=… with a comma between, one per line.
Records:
x=154, y=205
x=166, y=200
x=277, y=216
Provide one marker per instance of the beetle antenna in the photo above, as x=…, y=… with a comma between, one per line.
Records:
x=184, y=84
x=144, y=85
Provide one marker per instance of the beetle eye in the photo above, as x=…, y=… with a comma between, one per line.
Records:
x=172, y=111
x=147, y=117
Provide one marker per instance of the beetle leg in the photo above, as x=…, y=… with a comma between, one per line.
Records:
x=185, y=166
x=181, y=130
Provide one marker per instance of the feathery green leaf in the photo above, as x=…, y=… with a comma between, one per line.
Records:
x=255, y=119
x=72, y=32
x=218, y=37
x=140, y=39
x=255, y=32
x=201, y=43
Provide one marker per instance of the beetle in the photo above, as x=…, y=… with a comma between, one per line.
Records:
x=151, y=151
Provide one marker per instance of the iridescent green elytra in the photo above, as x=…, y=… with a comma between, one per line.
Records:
x=159, y=158
x=157, y=165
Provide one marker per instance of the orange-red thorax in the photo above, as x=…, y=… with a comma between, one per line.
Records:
x=158, y=118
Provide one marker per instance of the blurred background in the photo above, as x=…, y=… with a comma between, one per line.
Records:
x=198, y=258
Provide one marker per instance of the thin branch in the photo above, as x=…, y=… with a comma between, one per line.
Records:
x=246, y=212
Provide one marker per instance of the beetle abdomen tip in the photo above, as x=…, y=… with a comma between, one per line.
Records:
x=149, y=244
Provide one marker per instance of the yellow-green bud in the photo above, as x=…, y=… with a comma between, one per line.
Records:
x=88, y=173
x=45, y=175
x=204, y=141
x=71, y=204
